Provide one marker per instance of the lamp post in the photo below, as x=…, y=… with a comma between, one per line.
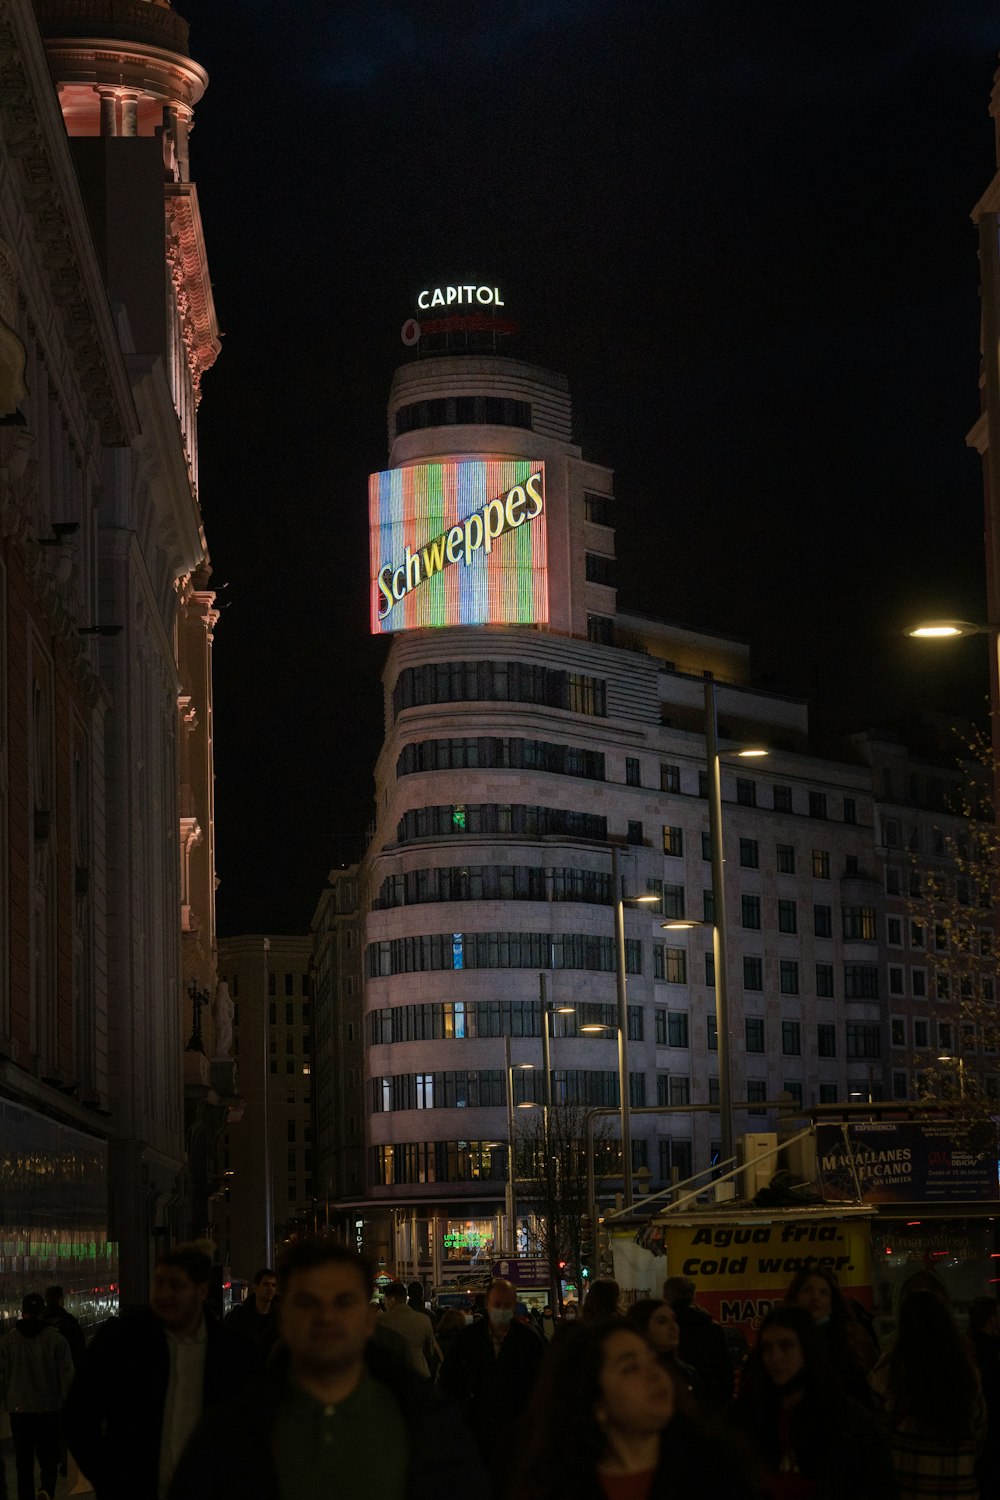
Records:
x=719, y=929
x=947, y=1057
x=548, y=1009
x=510, y=1196
x=268, y=1185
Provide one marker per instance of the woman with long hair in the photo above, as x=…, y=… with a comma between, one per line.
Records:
x=928, y=1394
x=809, y=1440
x=605, y=1426
x=657, y=1322
x=851, y=1352
x=603, y=1300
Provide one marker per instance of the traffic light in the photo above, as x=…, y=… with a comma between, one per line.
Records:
x=586, y=1240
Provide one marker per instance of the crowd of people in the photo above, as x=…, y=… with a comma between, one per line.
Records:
x=309, y=1389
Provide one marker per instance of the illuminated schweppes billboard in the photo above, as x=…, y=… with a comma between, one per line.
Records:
x=458, y=544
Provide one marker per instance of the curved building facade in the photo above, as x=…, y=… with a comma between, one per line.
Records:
x=519, y=752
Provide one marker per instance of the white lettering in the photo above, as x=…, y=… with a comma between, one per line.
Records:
x=463, y=296
x=422, y=301
x=438, y=299
x=484, y=294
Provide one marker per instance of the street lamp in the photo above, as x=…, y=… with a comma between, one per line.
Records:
x=621, y=901
x=947, y=1057
x=510, y=1203
x=268, y=1185
x=719, y=932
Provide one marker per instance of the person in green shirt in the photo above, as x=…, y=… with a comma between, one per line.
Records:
x=337, y=1414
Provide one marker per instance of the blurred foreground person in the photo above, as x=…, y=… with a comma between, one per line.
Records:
x=146, y=1378
x=36, y=1371
x=928, y=1394
x=849, y=1349
x=657, y=1322
x=334, y=1414
x=810, y=1440
x=703, y=1344
x=490, y=1372
x=605, y=1427
x=984, y=1335
x=603, y=1300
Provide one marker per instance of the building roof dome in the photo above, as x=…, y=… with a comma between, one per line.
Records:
x=150, y=22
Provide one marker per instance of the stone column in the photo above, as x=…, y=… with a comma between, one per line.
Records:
x=130, y=114
x=109, y=111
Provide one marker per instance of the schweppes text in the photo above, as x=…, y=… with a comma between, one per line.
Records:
x=462, y=542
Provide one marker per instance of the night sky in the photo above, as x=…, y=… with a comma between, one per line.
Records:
x=742, y=230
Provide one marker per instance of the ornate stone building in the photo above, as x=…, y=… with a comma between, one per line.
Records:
x=106, y=619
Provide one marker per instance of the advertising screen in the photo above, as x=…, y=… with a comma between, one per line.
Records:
x=458, y=544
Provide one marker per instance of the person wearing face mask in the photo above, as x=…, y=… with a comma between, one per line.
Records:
x=490, y=1372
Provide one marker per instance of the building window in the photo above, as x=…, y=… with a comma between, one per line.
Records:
x=826, y=1040
x=598, y=509
x=791, y=1038
x=272, y=983
x=708, y=907
x=828, y=1093
x=756, y=1094
x=783, y=799
x=863, y=1039
x=897, y=1031
x=712, y=1032
x=817, y=804
x=789, y=976
x=786, y=917
x=751, y=911
x=713, y=1091
x=892, y=881
x=673, y=841
x=824, y=981
x=746, y=792
x=632, y=771
x=710, y=970
x=637, y=1090
x=860, y=982
x=899, y=1085
x=675, y=965
x=823, y=921
x=821, y=864
x=753, y=973
x=896, y=986
x=918, y=983
x=754, y=1031
x=894, y=931
x=945, y=1036
x=786, y=859
x=600, y=569
x=601, y=630
x=289, y=984
x=749, y=855
x=634, y=835
x=706, y=846
x=850, y=810
x=677, y=1028
x=921, y=1034
x=670, y=778
x=792, y=1087
x=859, y=923
x=673, y=901
x=680, y=1091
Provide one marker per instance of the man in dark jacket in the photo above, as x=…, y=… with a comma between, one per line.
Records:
x=490, y=1371
x=146, y=1378
x=35, y=1374
x=336, y=1413
x=703, y=1343
x=57, y=1317
x=257, y=1317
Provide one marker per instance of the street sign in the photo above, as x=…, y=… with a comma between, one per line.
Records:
x=524, y=1271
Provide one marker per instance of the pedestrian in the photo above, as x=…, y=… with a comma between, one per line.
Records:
x=415, y=1328
x=603, y=1300
x=703, y=1344
x=490, y=1373
x=57, y=1317
x=256, y=1318
x=548, y=1323
x=147, y=1376
x=36, y=1372
x=415, y=1297
x=334, y=1413
x=451, y=1323
x=605, y=1426
x=984, y=1336
x=851, y=1352
x=657, y=1322
x=808, y=1440
x=928, y=1394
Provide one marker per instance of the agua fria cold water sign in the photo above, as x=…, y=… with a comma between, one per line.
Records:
x=458, y=543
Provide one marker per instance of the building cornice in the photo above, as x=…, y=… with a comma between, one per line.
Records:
x=192, y=284
x=34, y=138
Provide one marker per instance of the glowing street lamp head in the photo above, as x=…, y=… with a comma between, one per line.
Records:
x=943, y=630
x=681, y=924
x=752, y=752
